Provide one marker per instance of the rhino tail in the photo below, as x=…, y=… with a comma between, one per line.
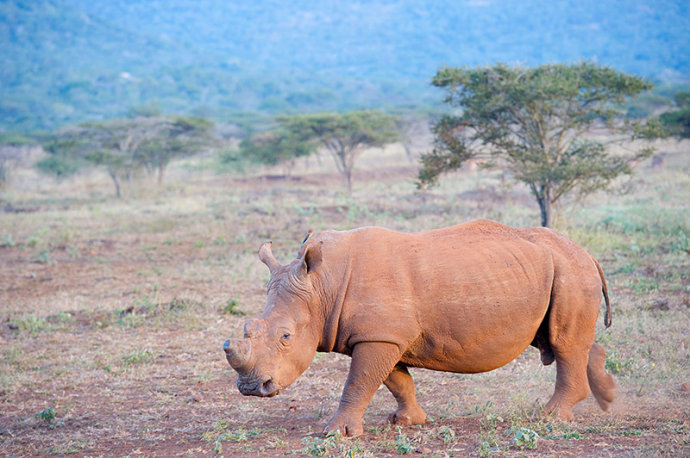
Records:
x=605, y=290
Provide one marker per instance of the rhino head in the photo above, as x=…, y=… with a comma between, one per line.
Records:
x=279, y=346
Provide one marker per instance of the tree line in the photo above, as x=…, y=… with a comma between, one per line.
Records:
x=534, y=122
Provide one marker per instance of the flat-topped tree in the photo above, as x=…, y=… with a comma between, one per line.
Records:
x=122, y=146
x=174, y=137
x=344, y=135
x=273, y=147
x=537, y=124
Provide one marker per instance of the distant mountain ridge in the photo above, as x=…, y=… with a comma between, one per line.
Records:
x=66, y=61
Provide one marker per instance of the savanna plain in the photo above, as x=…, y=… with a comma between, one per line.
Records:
x=113, y=313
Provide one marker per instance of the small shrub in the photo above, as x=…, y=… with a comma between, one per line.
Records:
x=30, y=323
x=60, y=165
x=145, y=302
x=488, y=422
x=573, y=435
x=523, y=437
x=48, y=415
x=7, y=240
x=355, y=448
x=219, y=429
x=488, y=417
x=178, y=304
x=402, y=443
x=239, y=435
x=45, y=258
x=231, y=308
x=64, y=317
x=33, y=240
x=615, y=364
x=315, y=446
x=138, y=357
x=446, y=434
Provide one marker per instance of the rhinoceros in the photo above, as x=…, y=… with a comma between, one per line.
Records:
x=466, y=299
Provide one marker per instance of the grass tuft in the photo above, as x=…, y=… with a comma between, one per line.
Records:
x=138, y=357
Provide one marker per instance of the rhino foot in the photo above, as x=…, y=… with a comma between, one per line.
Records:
x=346, y=426
x=407, y=417
x=555, y=410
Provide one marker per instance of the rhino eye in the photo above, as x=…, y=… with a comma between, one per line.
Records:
x=285, y=336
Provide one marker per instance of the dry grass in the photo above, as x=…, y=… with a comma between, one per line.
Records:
x=112, y=314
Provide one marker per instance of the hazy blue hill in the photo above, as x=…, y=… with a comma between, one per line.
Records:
x=58, y=63
x=413, y=37
x=70, y=60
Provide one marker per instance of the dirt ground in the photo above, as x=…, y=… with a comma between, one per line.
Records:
x=113, y=313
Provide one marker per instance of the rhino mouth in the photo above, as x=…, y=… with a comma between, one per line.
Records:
x=266, y=388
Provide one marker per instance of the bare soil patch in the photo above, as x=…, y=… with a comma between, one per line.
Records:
x=113, y=313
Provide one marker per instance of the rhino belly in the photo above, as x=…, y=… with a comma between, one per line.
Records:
x=481, y=323
x=475, y=345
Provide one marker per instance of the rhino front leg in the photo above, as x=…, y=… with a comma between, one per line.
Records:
x=400, y=383
x=371, y=363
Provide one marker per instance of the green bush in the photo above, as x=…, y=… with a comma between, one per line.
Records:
x=60, y=166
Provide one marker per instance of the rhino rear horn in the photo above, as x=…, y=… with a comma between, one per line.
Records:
x=237, y=352
x=266, y=256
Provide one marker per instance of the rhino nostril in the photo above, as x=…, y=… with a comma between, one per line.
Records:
x=268, y=388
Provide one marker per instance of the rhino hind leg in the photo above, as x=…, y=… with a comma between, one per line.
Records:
x=571, y=384
x=603, y=385
x=401, y=385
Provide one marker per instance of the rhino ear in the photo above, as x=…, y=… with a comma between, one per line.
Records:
x=312, y=258
x=307, y=237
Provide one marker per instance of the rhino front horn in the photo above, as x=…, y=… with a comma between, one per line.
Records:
x=266, y=256
x=237, y=353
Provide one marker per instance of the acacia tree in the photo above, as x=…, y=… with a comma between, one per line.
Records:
x=345, y=135
x=280, y=146
x=677, y=122
x=537, y=124
x=122, y=146
x=171, y=138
